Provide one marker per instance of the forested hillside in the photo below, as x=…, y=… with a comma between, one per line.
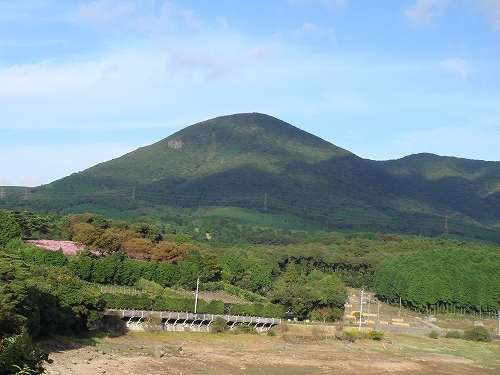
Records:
x=453, y=279
x=158, y=261
x=256, y=167
x=286, y=267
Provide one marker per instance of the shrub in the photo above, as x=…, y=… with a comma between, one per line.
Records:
x=152, y=322
x=376, y=335
x=114, y=322
x=215, y=306
x=218, y=325
x=351, y=335
x=270, y=332
x=477, y=334
x=18, y=355
x=244, y=328
x=434, y=335
x=453, y=335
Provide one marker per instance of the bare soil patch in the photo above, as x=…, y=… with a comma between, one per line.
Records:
x=297, y=351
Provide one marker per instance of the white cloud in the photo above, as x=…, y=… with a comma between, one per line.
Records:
x=455, y=66
x=106, y=12
x=329, y=4
x=491, y=9
x=315, y=31
x=138, y=17
x=424, y=12
x=200, y=64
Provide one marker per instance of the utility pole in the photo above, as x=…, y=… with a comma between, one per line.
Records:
x=196, y=295
x=133, y=192
x=446, y=230
x=360, y=308
x=399, y=312
x=369, y=304
x=499, y=322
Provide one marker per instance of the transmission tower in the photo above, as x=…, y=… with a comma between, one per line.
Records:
x=133, y=193
x=2, y=193
x=25, y=195
x=264, y=207
x=446, y=230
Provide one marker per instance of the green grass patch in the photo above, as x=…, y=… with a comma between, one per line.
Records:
x=254, y=218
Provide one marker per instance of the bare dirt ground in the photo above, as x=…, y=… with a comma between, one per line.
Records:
x=297, y=351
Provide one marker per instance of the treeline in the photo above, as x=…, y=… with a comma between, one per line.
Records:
x=174, y=253
x=464, y=279
x=145, y=301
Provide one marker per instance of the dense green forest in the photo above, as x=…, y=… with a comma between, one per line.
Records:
x=270, y=270
x=174, y=251
x=452, y=279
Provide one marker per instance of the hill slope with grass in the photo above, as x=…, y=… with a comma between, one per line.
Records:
x=256, y=163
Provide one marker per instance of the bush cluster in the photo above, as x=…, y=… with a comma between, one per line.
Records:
x=472, y=334
x=477, y=334
x=353, y=335
x=453, y=335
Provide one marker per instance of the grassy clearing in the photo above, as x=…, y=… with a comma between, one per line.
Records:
x=253, y=218
x=484, y=354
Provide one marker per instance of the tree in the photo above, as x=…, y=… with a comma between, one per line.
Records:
x=146, y=230
x=107, y=242
x=86, y=234
x=139, y=248
x=9, y=228
x=31, y=223
x=170, y=252
x=10, y=323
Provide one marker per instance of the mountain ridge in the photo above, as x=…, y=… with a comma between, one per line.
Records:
x=257, y=162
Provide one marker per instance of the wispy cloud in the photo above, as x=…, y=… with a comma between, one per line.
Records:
x=106, y=12
x=424, y=12
x=329, y=4
x=315, y=31
x=491, y=9
x=199, y=64
x=143, y=17
x=455, y=66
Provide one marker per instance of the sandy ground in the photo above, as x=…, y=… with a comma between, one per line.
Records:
x=201, y=353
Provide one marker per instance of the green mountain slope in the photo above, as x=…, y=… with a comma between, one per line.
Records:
x=258, y=163
x=455, y=185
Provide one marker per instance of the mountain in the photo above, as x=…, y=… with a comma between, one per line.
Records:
x=454, y=185
x=258, y=163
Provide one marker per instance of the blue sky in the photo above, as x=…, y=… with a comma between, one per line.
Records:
x=82, y=82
